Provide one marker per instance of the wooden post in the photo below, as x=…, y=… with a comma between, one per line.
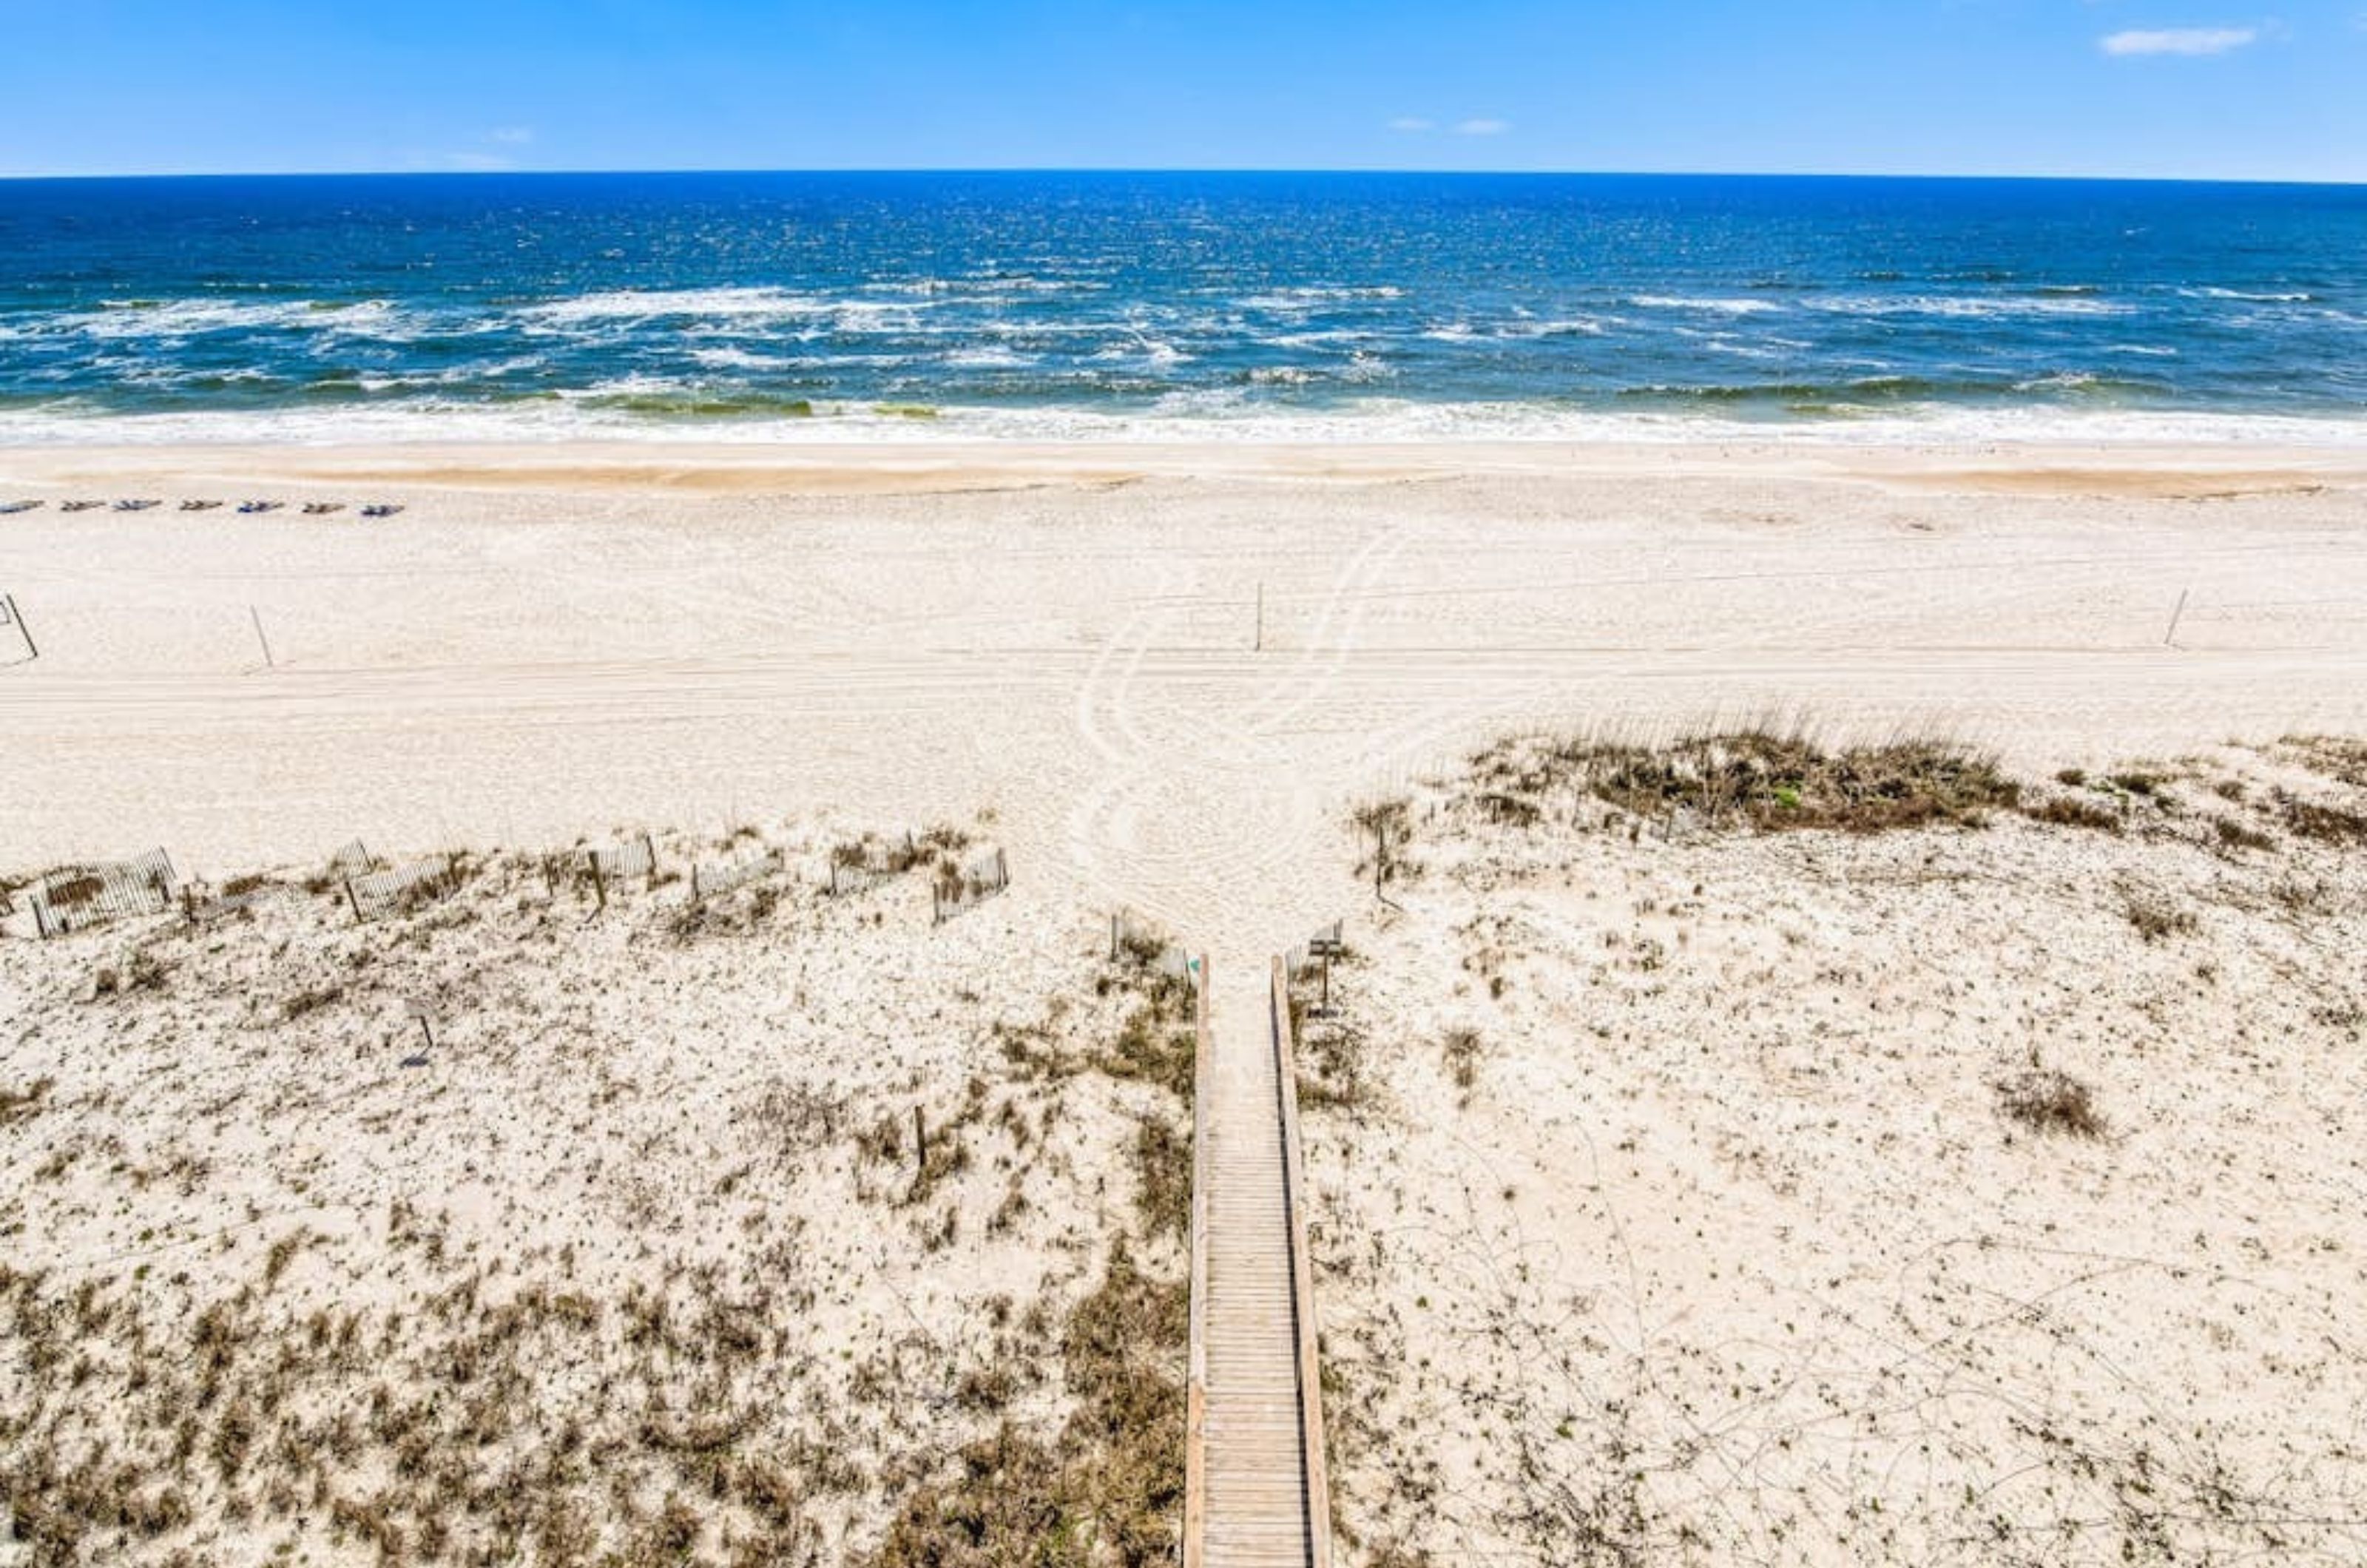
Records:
x=353, y=899
x=256, y=617
x=1260, y=645
x=23, y=630
x=2175, y=616
x=919, y=1149
x=599, y=882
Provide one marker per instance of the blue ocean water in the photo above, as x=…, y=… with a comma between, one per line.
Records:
x=781, y=306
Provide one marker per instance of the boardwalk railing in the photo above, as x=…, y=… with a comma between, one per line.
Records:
x=1195, y=1386
x=1314, y=1471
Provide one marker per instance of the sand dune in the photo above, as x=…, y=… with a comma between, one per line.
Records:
x=1688, y=1194
x=541, y=1221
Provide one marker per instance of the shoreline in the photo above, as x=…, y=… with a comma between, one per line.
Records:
x=2170, y=471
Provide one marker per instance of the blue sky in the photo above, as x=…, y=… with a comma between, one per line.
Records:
x=2178, y=88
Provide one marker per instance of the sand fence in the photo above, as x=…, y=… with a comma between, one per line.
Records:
x=403, y=888
x=1129, y=932
x=76, y=897
x=204, y=905
x=860, y=866
x=614, y=865
x=713, y=879
x=965, y=885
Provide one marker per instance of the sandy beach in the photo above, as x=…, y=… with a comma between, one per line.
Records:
x=552, y=641
x=1665, y=1196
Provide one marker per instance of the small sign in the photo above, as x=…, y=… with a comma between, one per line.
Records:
x=424, y=1014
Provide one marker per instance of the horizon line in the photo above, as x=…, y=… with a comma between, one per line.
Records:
x=32, y=178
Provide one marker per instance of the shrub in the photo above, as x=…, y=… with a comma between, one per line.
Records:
x=24, y=1104
x=1163, y=1164
x=2235, y=835
x=2155, y=917
x=2071, y=811
x=1755, y=776
x=1462, y=1050
x=2045, y=1100
x=2327, y=824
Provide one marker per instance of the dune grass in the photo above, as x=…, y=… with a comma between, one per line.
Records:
x=1754, y=778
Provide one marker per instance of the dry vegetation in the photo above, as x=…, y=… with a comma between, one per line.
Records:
x=735, y=1233
x=1755, y=777
x=1108, y=1486
x=1746, y=1151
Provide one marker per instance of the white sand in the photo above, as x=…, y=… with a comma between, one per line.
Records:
x=642, y=1230
x=550, y=640
x=1729, y=1253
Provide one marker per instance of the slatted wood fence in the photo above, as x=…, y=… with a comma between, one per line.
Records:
x=77, y=897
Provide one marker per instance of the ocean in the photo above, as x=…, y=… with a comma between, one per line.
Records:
x=1067, y=306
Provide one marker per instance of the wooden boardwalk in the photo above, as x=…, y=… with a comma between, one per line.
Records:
x=1255, y=1491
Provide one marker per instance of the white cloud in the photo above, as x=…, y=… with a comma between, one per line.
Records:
x=1483, y=127
x=1414, y=124
x=2179, y=40
x=478, y=162
x=511, y=135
